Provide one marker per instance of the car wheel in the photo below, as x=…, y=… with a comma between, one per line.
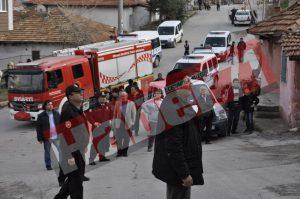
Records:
x=156, y=62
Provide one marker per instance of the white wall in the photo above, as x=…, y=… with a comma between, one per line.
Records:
x=141, y=17
x=109, y=16
x=22, y=52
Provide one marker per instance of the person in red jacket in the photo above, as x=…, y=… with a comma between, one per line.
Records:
x=102, y=113
x=241, y=50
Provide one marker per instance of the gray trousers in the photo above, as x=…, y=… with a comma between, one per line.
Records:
x=178, y=192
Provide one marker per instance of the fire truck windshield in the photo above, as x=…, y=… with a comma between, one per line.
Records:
x=25, y=82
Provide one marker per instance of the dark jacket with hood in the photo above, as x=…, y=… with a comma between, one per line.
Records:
x=178, y=152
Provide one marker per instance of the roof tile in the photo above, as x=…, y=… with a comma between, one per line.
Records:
x=56, y=26
x=285, y=21
x=291, y=44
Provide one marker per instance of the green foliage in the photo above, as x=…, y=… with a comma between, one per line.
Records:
x=168, y=9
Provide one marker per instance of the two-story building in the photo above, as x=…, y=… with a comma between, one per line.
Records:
x=135, y=13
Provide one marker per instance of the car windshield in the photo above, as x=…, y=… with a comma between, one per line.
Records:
x=215, y=41
x=166, y=30
x=186, y=65
x=242, y=13
x=25, y=82
x=201, y=51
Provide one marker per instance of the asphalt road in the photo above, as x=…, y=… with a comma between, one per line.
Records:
x=239, y=167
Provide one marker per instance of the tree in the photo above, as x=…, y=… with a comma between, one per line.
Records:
x=168, y=9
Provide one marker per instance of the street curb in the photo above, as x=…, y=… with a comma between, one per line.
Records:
x=3, y=104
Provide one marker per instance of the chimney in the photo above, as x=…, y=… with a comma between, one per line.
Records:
x=10, y=9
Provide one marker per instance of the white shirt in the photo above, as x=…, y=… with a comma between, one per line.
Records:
x=53, y=133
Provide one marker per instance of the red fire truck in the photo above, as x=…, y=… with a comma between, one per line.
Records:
x=92, y=67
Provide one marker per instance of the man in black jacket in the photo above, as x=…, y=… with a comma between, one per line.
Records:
x=46, y=130
x=178, y=153
x=73, y=127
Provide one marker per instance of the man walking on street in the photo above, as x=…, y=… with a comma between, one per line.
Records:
x=186, y=48
x=73, y=122
x=241, y=50
x=178, y=153
x=231, y=53
x=218, y=5
x=200, y=4
x=46, y=130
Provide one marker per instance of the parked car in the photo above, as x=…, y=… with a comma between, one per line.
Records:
x=220, y=119
x=207, y=64
x=219, y=41
x=170, y=33
x=243, y=17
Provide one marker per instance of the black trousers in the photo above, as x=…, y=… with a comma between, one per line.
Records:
x=150, y=141
x=233, y=119
x=178, y=192
x=206, y=122
x=72, y=186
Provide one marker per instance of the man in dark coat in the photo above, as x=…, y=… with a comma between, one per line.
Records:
x=178, y=153
x=206, y=105
x=248, y=101
x=46, y=131
x=74, y=128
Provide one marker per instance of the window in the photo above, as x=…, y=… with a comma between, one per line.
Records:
x=229, y=39
x=210, y=64
x=215, y=62
x=3, y=5
x=35, y=55
x=54, y=78
x=77, y=71
x=283, y=67
x=155, y=43
x=204, y=69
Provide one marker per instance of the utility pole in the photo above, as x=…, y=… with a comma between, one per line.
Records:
x=120, y=17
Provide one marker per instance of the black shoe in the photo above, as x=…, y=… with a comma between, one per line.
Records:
x=85, y=179
x=125, y=155
x=119, y=155
x=149, y=149
x=92, y=163
x=60, y=184
x=208, y=142
x=49, y=168
x=235, y=132
x=104, y=159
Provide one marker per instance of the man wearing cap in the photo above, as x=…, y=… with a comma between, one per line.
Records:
x=74, y=139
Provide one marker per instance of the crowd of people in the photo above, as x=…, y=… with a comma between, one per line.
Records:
x=115, y=120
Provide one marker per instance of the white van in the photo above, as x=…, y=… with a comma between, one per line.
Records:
x=146, y=36
x=170, y=33
x=207, y=64
x=220, y=42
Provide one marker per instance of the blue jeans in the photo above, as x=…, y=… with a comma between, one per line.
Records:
x=47, y=151
x=249, y=120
